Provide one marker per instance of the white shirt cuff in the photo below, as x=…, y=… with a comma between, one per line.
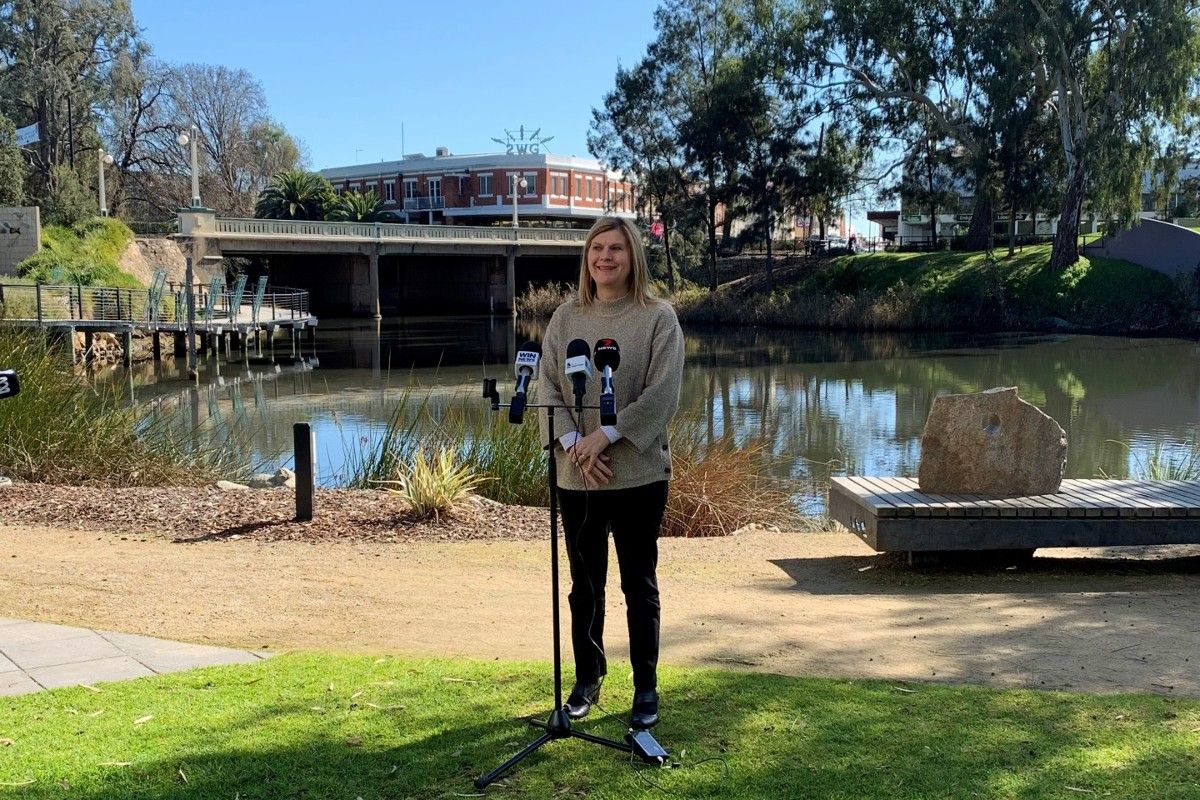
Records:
x=568, y=440
x=611, y=432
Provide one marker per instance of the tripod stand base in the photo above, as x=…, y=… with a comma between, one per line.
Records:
x=557, y=726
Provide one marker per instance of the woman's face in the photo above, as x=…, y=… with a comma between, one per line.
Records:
x=609, y=264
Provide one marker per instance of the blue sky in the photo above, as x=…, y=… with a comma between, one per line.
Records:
x=342, y=77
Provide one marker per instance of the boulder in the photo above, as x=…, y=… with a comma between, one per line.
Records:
x=990, y=443
x=282, y=477
x=230, y=486
x=5, y=483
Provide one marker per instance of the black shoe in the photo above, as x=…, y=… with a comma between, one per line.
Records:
x=645, y=710
x=579, y=703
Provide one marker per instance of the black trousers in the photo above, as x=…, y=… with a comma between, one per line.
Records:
x=634, y=516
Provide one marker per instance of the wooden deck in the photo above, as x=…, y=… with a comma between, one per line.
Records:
x=892, y=514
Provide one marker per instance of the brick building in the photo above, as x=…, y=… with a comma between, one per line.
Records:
x=446, y=189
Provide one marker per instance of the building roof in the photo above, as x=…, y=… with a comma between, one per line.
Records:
x=449, y=164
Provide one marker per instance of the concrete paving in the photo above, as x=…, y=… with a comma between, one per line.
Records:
x=37, y=655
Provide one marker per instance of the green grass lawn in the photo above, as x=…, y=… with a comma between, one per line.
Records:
x=325, y=726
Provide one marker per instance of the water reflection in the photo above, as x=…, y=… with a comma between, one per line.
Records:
x=827, y=403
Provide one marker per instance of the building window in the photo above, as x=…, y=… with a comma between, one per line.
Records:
x=531, y=184
x=435, y=187
x=578, y=186
x=410, y=188
x=589, y=189
x=485, y=185
x=389, y=191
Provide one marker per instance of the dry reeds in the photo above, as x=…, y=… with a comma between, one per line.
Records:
x=720, y=487
x=540, y=301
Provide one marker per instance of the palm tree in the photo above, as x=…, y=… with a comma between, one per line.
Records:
x=295, y=194
x=355, y=207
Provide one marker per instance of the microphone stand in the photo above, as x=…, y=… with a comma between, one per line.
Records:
x=558, y=726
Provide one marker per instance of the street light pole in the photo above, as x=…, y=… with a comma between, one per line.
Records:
x=184, y=140
x=103, y=159
x=518, y=185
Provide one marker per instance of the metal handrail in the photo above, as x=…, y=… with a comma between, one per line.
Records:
x=394, y=230
x=43, y=303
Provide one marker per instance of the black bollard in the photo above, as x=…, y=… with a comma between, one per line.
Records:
x=306, y=469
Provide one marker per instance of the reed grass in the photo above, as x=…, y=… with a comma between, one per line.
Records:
x=717, y=487
x=540, y=301
x=1179, y=463
x=65, y=429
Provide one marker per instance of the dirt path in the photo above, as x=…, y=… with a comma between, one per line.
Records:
x=799, y=604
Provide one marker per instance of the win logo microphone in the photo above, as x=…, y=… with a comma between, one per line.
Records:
x=10, y=386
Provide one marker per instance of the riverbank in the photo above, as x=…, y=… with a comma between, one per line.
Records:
x=935, y=291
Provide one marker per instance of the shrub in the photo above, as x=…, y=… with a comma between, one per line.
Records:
x=87, y=254
x=431, y=486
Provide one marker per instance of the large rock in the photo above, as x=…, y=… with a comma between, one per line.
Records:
x=990, y=443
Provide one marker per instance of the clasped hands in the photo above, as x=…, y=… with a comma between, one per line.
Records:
x=589, y=457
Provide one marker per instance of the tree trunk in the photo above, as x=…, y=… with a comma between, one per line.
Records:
x=1066, y=239
x=1012, y=223
x=979, y=235
x=712, y=245
x=667, y=254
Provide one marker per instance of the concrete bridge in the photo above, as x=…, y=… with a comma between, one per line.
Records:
x=353, y=268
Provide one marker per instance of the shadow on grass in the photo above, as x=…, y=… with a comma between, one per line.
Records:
x=429, y=730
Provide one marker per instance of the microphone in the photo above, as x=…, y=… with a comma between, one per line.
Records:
x=526, y=368
x=607, y=357
x=9, y=385
x=579, y=369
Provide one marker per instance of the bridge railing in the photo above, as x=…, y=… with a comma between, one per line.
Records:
x=43, y=304
x=384, y=231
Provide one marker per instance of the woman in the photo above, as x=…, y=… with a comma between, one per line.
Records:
x=615, y=477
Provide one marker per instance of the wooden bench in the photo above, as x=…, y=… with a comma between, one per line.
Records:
x=893, y=515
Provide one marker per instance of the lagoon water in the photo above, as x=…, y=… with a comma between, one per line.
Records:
x=828, y=403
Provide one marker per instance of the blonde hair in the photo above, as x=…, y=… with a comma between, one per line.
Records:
x=639, y=271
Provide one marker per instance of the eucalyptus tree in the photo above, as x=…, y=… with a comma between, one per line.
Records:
x=1114, y=69
x=56, y=57
x=633, y=133
x=697, y=49
x=12, y=166
x=930, y=62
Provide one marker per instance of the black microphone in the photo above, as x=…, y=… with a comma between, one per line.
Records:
x=579, y=369
x=10, y=386
x=607, y=357
x=526, y=367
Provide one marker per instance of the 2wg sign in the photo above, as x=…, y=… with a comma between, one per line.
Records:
x=9, y=385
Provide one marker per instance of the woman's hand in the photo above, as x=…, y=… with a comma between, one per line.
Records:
x=588, y=455
x=599, y=474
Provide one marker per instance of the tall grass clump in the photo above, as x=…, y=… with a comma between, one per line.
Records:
x=540, y=301
x=87, y=253
x=1180, y=463
x=63, y=429
x=508, y=459
x=720, y=486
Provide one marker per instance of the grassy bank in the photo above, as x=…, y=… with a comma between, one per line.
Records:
x=331, y=726
x=953, y=290
x=85, y=254
x=65, y=429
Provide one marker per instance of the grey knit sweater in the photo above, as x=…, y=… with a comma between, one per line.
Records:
x=646, y=385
